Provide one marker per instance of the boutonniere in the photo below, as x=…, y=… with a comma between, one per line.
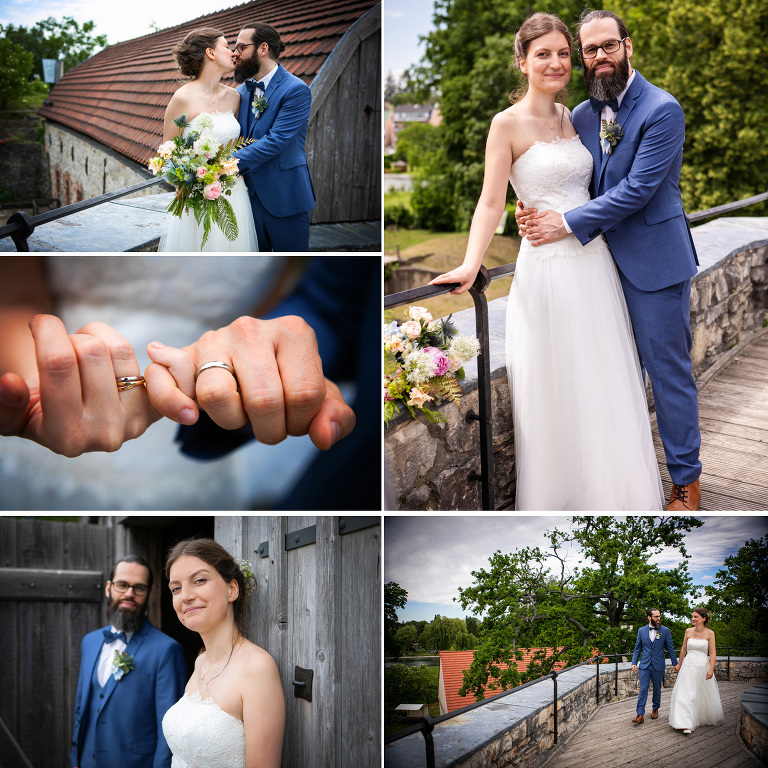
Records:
x=121, y=664
x=611, y=134
x=259, y=105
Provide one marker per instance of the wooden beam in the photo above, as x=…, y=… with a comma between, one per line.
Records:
x=10, y=751
x=51, y=585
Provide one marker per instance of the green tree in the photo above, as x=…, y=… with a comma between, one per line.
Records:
x=394, y=597
x=738, y=599
x=709, y=55
x=446, y=634
x=416, y=142
x=406, y=637
x=56, y=39
x=15, y=72
x=526, y=604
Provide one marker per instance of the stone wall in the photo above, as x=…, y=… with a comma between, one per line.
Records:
x=430, y=464
x=80, y=168
x=24, y=162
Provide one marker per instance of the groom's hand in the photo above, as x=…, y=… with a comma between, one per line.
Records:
x=278, y=385
x=634, y=667
x=546, y=227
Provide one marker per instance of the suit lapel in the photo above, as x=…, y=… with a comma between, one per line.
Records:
x=275, y=81
x=131, y=649
x=245, y=103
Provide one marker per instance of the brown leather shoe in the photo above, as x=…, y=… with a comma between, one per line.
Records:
x=638, y=720
x=685, y=498
x=654, y=714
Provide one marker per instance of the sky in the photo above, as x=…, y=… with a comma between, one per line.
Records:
x=431, y=557
x=403, y=21
x=119, y=21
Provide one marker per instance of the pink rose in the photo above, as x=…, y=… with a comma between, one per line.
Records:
x=201, y=171
x=412, y=329
x=440, y=360
x=212, y=191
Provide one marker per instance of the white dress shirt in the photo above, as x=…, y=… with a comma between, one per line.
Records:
x=104, y=669
x=652, y=632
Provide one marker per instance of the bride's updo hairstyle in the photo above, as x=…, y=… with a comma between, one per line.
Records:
x=190, y=52
x=533, y=28
x=213, y=554
x=704, y=613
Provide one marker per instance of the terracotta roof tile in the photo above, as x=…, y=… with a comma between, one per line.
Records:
x=118, y=97
x=453, y=664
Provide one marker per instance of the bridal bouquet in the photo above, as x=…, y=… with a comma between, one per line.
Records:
x=204, y=171
x=423, y=361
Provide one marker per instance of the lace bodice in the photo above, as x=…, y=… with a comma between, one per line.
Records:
x=553, y=175
x=223, y=126
x=201, y=735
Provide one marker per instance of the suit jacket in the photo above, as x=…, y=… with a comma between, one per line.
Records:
x=653, y=653
x=275, y=165
x=636, y=198
x=128, y=731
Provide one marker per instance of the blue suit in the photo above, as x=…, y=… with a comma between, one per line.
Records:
x=637, y=206
x=651, y=667
x=275, y=164
x=120, y=724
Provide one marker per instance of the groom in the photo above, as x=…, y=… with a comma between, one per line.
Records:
x=118, y=716
x=274, y=111
x=637, y=206
x=651, y=640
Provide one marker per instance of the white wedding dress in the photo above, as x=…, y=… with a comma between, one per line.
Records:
x=695, y=700
x=201, y=735
x=582, y=432
x=173, y=299
x=185, y=234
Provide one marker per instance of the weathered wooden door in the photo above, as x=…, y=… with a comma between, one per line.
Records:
x=317, y=610
x=52, y=577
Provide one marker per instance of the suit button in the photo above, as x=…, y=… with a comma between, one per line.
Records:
x=101, y=695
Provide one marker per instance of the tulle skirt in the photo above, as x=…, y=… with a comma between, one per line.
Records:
x=185, y=234
x=582, y=432
x=695, y=700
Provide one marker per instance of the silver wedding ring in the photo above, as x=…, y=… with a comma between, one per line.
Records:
x=215, y=364
x=124, y=383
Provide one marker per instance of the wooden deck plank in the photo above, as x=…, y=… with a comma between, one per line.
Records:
x=610, y=739
x=733, y=416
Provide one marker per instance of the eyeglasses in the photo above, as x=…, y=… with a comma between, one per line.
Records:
x=124, y=586
x=609, y=46
x=240, y=47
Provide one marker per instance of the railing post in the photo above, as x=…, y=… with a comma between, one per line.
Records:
x=729, y=663
x=597, y=683
x=616, y=678
x=477, y=291
x=429, y=742
x=26, y=229
x=554, y=707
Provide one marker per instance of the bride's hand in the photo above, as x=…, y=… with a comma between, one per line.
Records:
x=461, y=274
x=74, y=406
x=522, y=216
x=709, y=674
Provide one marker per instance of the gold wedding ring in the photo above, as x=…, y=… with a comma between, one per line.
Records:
x=124, y=383
x=215, y=364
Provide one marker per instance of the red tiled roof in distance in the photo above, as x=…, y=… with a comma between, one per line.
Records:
x=118, y=96
x=453, y=664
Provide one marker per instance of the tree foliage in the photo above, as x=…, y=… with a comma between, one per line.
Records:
x=394, y=597
x=738, y=599
x=707, y=53
x=15, y=72
x=446, y=634
x=527, y=604
x=56, y=39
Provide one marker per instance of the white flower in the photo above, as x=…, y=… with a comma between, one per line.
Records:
x=419, y=366
x=463, y=348
x=419, y=313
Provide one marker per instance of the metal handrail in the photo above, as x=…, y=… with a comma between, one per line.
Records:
x=427, y=723
x=20, y=225
x=477, y=291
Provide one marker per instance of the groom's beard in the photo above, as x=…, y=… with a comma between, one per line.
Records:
x=246, y=68
x=608, y=86
x=125, y=619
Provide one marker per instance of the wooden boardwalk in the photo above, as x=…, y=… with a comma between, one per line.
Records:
x=733, y=415
x=610, y=739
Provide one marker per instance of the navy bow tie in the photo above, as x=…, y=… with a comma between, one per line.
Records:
x=110, y=636
x=251, y=86
x=598, y=105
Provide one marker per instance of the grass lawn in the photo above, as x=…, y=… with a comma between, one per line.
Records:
x=445, y=251
x=401, y=197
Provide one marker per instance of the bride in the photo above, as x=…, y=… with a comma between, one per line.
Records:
x=582, y=433
x=695, y=699
x=232, y=713
x=209, y=105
